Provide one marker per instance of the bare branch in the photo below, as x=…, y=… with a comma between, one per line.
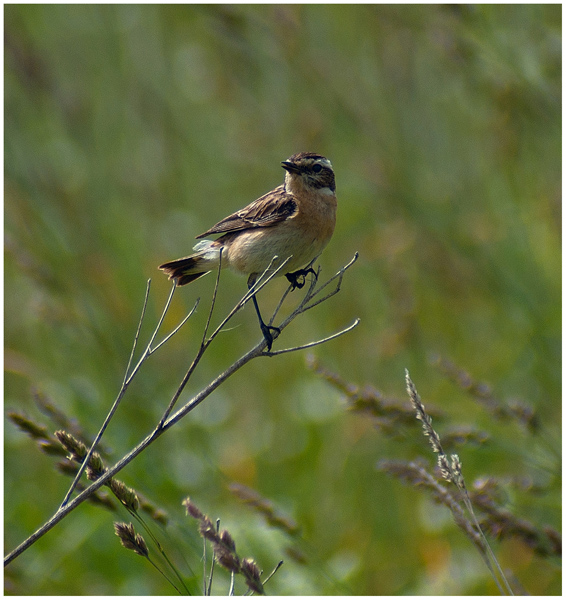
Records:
x=340, y=276
x=213, y=301
x=169, y=336
x=317, y=343
x=145, y=300
x=128, y=378
x=168, y=421
x=205, y=343
x=277, y=567
x=165, y=309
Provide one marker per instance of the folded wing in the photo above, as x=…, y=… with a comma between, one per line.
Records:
x=272, y=208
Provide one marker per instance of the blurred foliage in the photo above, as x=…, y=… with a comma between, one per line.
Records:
x=129, y=129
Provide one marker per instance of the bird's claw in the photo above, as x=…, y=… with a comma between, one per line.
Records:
x=267, y=336
x=297, y=279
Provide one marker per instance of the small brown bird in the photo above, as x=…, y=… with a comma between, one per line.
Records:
x=294, y=220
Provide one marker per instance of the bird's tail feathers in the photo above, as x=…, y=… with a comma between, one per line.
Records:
x=185, y=270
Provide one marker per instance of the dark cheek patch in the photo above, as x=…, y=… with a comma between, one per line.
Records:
x=323, y=182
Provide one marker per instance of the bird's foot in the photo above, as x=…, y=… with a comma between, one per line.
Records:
x=297, y=279
x=267, y=335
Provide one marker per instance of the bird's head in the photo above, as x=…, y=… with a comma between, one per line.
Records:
x=308, y=171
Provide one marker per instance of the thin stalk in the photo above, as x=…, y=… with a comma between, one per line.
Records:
x=128, y=379
x=167, y=420
x=206, y=342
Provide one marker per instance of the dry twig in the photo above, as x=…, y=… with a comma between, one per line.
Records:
x=312, y=298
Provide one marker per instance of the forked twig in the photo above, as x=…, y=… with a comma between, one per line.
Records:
x=168, y=421
x=260, y=283
x=136, y=338
x=128, y=378
x=306, y=304
x=205, y=342
x=315, y=343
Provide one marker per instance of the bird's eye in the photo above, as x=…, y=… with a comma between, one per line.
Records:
x=317, y=168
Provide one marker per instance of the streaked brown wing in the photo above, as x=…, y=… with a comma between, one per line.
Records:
x=271, y=208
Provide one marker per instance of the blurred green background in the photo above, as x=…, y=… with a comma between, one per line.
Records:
x=131, y=129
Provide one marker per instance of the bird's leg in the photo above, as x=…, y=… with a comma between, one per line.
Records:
x=265, y=329
x=297, y=279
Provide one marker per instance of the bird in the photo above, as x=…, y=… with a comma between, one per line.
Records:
x=294, y=221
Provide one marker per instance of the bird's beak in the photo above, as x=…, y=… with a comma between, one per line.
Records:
x=291, y=167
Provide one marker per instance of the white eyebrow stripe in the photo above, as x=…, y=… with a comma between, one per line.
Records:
x=325, y=162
